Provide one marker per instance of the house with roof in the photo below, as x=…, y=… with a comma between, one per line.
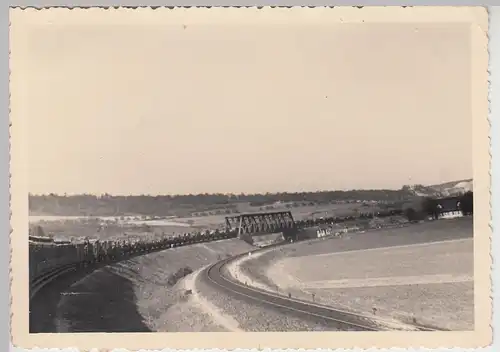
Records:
x=449, y=208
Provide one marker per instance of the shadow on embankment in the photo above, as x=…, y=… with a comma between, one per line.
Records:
x=89, y=300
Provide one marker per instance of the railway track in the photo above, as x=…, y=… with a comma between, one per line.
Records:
x=326, y=316
x=39, y=282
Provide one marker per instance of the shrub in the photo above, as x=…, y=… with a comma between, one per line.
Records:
x=179, y=274
x=413, y=215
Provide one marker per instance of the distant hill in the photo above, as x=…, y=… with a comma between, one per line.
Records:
x=442, y=190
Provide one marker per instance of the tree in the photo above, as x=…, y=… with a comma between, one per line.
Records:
x=430, y=207
x=467, y=203
x=413, y=215
x=410, y=214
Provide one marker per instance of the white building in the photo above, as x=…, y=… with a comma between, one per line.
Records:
x=449, y=208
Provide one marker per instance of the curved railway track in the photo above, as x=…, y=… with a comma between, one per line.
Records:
x=50, y=275
x=328, y=317
x=39, y=282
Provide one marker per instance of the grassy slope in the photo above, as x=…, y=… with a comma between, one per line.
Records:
x=160, y=307
x=448, y=305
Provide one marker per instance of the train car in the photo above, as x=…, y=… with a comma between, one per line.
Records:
x=46, y=255
x=40, y=239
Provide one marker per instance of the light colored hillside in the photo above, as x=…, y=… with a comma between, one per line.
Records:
x=444, y=189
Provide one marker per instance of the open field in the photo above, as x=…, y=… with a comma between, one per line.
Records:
x=430, y=282
x=299, y=213
x=79, y=229
x=148, y=286
x=412, y=281
x=452, y=257
x=104, y=229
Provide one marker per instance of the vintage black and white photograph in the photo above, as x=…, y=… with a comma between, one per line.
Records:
x=246, y=171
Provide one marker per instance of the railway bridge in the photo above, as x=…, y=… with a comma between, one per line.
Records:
x=254, y=224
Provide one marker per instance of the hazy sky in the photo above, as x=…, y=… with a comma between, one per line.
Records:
x=162, y=109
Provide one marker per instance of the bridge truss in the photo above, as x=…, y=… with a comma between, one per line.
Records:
x=260, y=223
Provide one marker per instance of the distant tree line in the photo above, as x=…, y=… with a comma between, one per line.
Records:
x=165, y=205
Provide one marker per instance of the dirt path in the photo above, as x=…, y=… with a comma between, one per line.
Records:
x=215, y=313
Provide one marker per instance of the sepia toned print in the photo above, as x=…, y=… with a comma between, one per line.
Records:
x=286, y=178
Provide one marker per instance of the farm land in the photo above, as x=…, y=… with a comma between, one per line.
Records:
x=151, y=227
x=105, y=217
x=407, y=279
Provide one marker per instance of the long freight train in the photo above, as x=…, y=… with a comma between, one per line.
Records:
x=46, y=255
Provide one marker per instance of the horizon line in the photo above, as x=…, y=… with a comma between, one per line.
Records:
x=243, y=194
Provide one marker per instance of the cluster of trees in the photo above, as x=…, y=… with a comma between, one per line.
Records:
x=429, y=207
x=467, y=203
x=338, y=220
x=216, y=212
x=180, y=205
x=108, y=205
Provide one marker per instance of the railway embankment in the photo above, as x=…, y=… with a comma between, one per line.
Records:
x=144, y=293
